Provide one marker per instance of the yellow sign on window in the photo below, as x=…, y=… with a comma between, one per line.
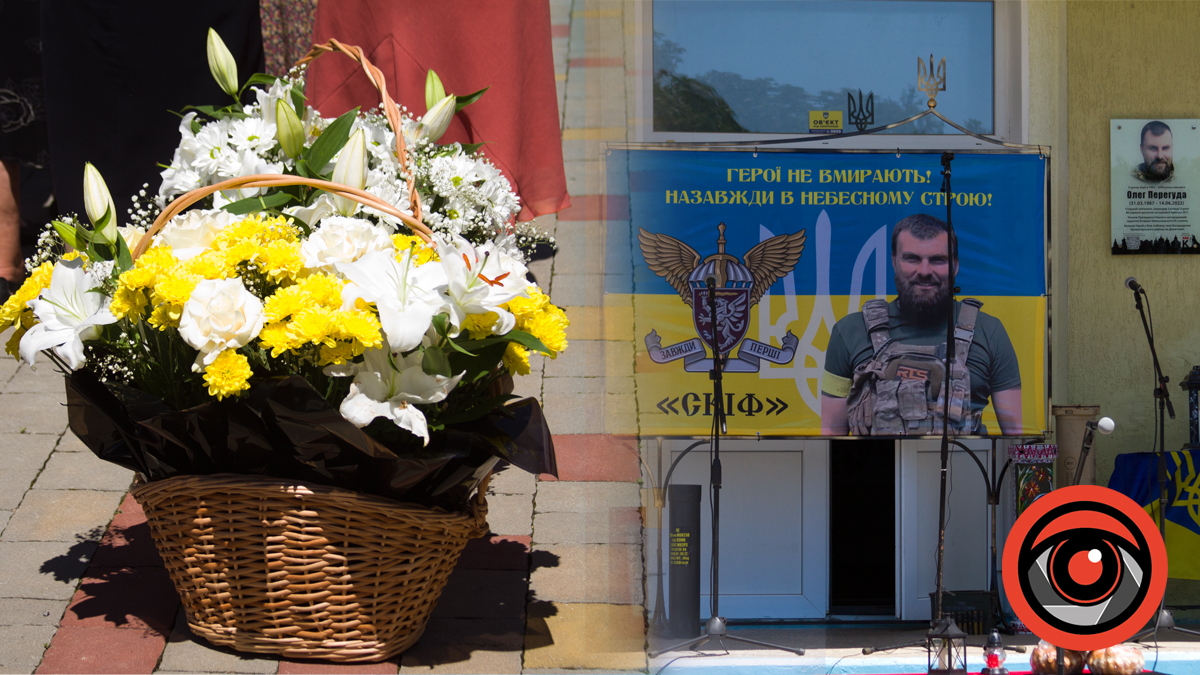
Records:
x=824, y=121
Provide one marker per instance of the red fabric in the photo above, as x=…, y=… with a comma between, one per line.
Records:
x=471, y=44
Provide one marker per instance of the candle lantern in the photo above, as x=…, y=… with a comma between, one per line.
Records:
x=947, y=647
x=993, y=656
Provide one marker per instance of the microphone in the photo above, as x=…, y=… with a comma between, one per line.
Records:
x=1133, y=285
x=1105, y=425
x=711, y=281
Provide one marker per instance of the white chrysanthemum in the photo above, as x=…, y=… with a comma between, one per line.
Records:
x=389, y=187
x=214, y=156
x=252, y=134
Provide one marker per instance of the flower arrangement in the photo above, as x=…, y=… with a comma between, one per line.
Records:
x=382, y=269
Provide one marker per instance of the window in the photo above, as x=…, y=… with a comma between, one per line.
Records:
x=722, y=69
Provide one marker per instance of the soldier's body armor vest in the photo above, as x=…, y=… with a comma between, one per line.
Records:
x=898, y=391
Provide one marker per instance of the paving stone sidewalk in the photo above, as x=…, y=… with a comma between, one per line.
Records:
x=557, y=585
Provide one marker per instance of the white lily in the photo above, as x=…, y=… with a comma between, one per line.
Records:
x=437, y=120
x=351, y=170
x=289, y=130
x=98, y=203
x=387, y=384
x=68, y=313
x=221, y=64
x=479, y=280
x=406, y=295
x=322, y=206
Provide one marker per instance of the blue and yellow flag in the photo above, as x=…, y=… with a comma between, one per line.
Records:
x=1135, y=475
x=794, y=242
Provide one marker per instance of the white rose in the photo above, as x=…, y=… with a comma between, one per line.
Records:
x=193, y=233
x=220, y=315
x=344, y=240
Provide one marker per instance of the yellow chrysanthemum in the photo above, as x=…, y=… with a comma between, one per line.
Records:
x=421, y=252
x=337, y=354
x=275, y=336
x=176, y=288
x=166, y=316
x=285, y=302
x=210, y=265
x=128, y=303
x=480, y=325
x=228, y=375
x=281, y=259
x=138, y=277
x=524, y=307
x=362, y=327
x=14, y=341
x=315, y=325
x=325, y=290
x=158, y=260
x=549, y=326
x=516, y=359
x=17, y=303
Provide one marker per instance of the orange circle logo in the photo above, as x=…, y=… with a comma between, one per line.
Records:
x=1084, y=567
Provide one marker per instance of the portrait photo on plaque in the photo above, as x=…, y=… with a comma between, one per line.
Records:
x=1155, y=167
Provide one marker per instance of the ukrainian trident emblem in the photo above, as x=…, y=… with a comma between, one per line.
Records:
x=740, y=284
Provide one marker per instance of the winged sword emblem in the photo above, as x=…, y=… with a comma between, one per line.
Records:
x=739, y=285
x=675, y=261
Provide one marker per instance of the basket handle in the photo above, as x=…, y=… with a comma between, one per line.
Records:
x=261, y=180
x=390, y=111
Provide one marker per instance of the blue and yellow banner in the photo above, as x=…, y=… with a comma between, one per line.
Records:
x=1135, y=475
x=795, y=242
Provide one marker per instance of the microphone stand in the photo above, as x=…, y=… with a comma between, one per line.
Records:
x=1165, y=620
x=951, y=248
x=715, y=628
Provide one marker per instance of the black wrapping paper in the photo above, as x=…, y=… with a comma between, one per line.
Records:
x=284, y=428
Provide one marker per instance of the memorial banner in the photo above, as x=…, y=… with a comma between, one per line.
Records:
x=793, y=243
x=1155, y=174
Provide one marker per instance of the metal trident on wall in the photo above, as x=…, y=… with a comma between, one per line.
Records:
x=931, y=81
x=861, y=116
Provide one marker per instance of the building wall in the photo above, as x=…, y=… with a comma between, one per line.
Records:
x=1134, y=60
x=1126, y=60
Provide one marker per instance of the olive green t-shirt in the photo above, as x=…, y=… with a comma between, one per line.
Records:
x=991, y=360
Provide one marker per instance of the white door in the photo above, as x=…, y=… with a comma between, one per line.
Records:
x=774, y=526
x=968, y=524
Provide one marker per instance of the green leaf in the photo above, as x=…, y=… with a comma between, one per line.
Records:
x=259, y=78
x=434, y=361
x=440, y=324
x=124, y=256
x=518, y=336
x=76, y=239
x=217, y=113
x=330, y=141
x=260, y=203
x=464, y=101
x=298, y=102
x=471, y=148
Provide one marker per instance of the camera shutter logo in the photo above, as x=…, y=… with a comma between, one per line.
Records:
x=1084, y=567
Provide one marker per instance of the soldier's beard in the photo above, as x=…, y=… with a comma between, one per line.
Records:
x=1160, y=169
x=923, y=308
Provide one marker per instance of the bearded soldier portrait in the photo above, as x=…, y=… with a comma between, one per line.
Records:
x=885, y=366
x=1158, y=148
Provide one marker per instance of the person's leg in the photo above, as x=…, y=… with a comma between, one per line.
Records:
x=12, y=267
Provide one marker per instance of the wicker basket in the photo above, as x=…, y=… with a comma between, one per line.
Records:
x=304, y=571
